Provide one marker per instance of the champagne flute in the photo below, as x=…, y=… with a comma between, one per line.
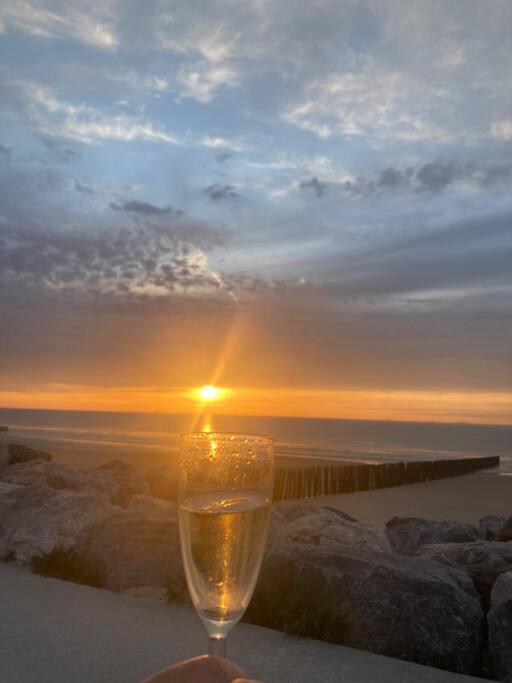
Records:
x=224, y=499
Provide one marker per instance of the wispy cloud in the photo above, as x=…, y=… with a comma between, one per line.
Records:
x=90, y=23
x=58, y=118
x=201, y=80
x=220, y=143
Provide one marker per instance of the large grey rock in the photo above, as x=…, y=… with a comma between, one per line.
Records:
x=404, y=607
x=163, y=482
x=502, y=589
x=35, y=519
x=136, y=547
x=4, y=453
x=505, y=533
x=490, y=526
x=484, y=561
x=19, y=453
x=116, y=480
x=407, y=534
x=499, y=621
x=327, y=529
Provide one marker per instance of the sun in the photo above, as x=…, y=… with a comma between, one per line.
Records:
x=209, y=393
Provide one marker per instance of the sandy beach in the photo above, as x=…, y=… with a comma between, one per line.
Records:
x=466, y=499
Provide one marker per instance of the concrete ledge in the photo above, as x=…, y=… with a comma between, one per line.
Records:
x=57, y=632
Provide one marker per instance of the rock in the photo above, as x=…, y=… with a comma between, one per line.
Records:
x=407, y=534
x=502, y=589
x=163, y=483
x=404, y=607
x=19, y=453
x=4, y=453
x=26, y=473
x=148, y=504
x=499, y=621
x=117, y=480
x=35, y=519
x=325, y=528
x=490, y=526
x=136, y=547
x=505, y=533
x=484, y=561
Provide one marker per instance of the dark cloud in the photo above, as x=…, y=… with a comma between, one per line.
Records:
x=314, y=184
x=474, y=253
x=496, y=174
x=146, y=209
x=5, y=153
x=223, y=156
x=390, y=177
x=60, y=151
x=141, y=261
x=436, y=175
x=83, y=189
x=220, y=193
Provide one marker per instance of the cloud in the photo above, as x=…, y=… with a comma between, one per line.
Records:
x=146, y=209
x=315, y=185
x=145, y=261
x=220, y=193
x=235, y=145
x=372, y=101
x=82, y=188
x=54, y=117
x=502, y=130
x=390, y=177
x=88, y=23
x=5, y=153
x=58, y=150
x=436, y=175
x=201, y=80
x=471, y=253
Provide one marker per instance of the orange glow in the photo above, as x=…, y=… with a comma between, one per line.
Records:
x=423, y=406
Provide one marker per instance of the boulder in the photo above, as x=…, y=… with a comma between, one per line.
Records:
x=117, y=480
x=4, y=453
x=490, y=526
x=484, y=561
x=505, y=533
x=26, y=473
x=405, y=607
x=163, y=482
x=136, y=547
x=499, y=621
x=35, y=519
x=502, y=589
x=407, y=534
x=327, y=529
x=19, y=453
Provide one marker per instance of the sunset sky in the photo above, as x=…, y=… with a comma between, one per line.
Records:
x=308, y=204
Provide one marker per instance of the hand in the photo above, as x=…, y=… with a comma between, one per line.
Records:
x=205, y=669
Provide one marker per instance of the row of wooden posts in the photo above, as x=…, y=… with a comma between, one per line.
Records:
x=323, y=480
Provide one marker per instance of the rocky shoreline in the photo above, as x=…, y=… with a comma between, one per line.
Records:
x=436, y=593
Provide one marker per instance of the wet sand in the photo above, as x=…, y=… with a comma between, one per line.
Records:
x=466, y=499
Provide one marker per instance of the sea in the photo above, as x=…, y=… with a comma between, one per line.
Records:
x=87, y=438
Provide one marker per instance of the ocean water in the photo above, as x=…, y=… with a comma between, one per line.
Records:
x=147, y=440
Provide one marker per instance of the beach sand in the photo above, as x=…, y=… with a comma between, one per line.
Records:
x=465, y=499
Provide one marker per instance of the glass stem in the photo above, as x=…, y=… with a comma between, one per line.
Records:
x=217, y=646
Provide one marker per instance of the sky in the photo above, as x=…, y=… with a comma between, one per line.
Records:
x=308, y=204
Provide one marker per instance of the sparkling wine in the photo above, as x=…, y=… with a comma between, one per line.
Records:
x=223, y=536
